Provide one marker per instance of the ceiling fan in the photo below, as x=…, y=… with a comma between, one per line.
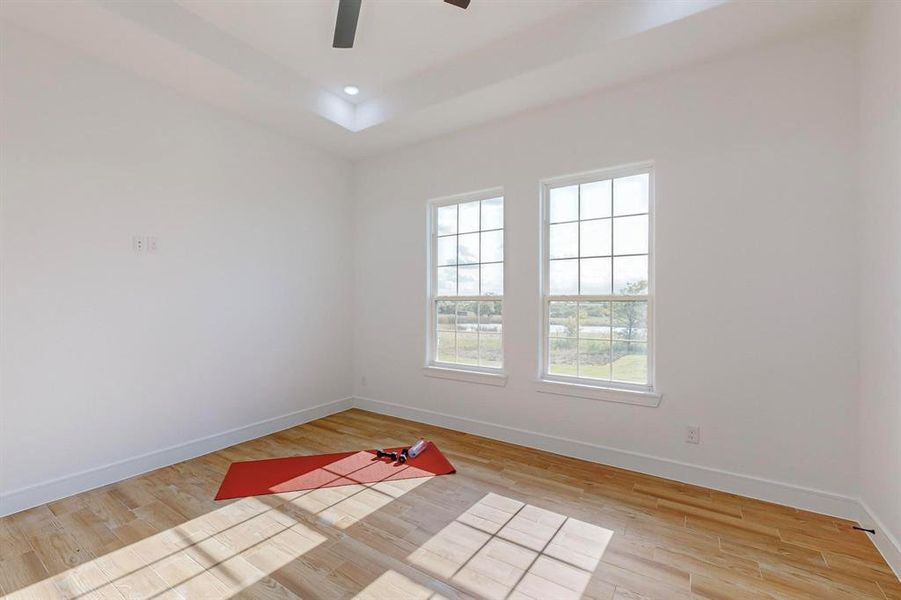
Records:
x=349, y=12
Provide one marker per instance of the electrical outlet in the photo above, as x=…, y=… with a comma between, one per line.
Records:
x=145, y=244
x=693, y=434
x=363, y=381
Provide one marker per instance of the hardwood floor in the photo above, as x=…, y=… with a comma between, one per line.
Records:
x=512, y=523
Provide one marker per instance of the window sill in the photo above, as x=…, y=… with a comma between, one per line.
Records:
x=483, y=377
x=596, y=392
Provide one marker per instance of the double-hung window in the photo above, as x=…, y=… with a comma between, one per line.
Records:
x=467, y=282
x=597, y=279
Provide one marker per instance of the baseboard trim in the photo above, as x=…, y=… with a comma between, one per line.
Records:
x=884, y=541
x=754, y=487
x=48, y=491
x=778, y=492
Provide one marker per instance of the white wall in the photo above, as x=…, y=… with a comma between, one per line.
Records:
x=756, y=258
x=240, y=317
x=880, y=270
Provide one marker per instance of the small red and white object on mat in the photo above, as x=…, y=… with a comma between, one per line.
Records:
x=405, y=453
x=298, y=473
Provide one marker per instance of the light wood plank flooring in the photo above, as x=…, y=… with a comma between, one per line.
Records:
x=512, y=523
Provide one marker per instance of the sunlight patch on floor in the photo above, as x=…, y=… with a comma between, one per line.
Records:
x=502, y=548
x=359, y=468
x=343, y=506
x=220, y=553
x=391, y=585
x=215, y=555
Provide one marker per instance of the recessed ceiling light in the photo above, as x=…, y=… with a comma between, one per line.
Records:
x=351, y=90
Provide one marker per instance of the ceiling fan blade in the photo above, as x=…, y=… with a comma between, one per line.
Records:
x=346, y=23
x=460, y=3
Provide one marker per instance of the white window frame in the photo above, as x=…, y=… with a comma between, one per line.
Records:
x=584, y=387
x=443, y=370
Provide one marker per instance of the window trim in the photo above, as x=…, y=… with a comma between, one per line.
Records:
x=595, y=392
x=584, y=387
x=444, y=370
x=469, y=374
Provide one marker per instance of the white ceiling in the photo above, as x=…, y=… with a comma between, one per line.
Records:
x=395, y=39
x=424, y=67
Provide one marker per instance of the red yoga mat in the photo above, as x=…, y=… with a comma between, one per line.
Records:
x=297, y=473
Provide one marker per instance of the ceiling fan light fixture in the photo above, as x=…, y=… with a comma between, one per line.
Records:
x=351, y=90
x=349, y=14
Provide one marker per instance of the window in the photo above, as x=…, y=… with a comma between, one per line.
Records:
x=467, y=282
x=597, y=279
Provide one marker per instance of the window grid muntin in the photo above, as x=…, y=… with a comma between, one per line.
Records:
x=648, y=298
x=611, y=338
x=478, y=331
x=457, y=298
